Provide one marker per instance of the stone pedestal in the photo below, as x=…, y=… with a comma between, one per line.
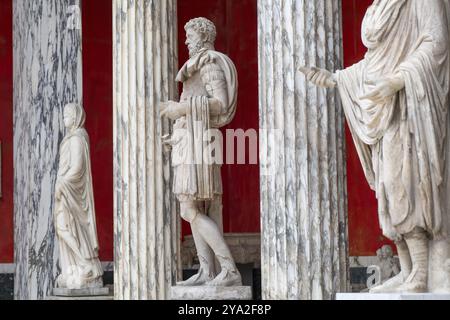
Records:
x=88, y=292
x=47, y=76
x=92, y=298
x=302, y=152
x=146, y=225
x=210, y=293
x=392, y=296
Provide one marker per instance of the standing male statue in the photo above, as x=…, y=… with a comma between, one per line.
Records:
x=396, y=103
x=208, y=102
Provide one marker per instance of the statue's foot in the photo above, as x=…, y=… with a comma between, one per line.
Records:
x=413, y=287
x=61, y=281
x=390, y=285
x=416, y=282
x=198, y=279
x=226, y=278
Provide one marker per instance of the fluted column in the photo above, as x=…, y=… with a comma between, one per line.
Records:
x=303, y=178
x=47, y=75
x=146, y=227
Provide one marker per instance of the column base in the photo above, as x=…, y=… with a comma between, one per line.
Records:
x=210, y=293
x=392, y=296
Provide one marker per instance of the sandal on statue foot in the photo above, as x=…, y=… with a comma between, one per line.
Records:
x=198, y=279
x=226, y=279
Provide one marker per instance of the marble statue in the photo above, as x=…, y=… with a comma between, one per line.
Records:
x=208, y=101
x=396, y=103
x=388, y=264
x=74, y=213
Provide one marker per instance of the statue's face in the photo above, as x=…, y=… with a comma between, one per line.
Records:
x=69, y=117
x=194, y=41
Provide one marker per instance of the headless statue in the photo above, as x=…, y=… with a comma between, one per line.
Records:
x=396, y=103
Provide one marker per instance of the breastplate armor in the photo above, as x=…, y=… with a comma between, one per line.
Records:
x=193, y=87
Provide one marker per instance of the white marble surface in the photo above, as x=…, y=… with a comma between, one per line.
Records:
x=47, y=75
x=7, y=268
x=146, y=227
x=10, y=267
x=392, y=296
x=303, y=192
x=94, y=298
x=211, y=293
x=86, y=292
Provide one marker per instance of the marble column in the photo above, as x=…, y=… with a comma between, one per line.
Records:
x=146, y=236
x=302, y=152
x=47, y=75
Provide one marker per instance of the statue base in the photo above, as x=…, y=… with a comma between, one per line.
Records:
x=392, y=296
x=210, y=293
x=86, y=292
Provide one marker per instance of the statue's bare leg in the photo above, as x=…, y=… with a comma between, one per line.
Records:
x=205, y=254
x=229, y=274
x=417, y=281
x=394, y=283
x=214, y=210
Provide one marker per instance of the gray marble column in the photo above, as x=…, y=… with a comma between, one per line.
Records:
x=47, y=75
x=302, y=152
x=146, y=236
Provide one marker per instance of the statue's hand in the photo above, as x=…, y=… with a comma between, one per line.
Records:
x=384, y=89
x=320, y=77
x=172, y=110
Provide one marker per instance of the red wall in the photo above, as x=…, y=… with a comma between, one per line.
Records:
x=97, y=101
x=6, y=133
x=236, y=23
x=364, y=231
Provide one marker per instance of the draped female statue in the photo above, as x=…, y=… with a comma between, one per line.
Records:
x=74, y=213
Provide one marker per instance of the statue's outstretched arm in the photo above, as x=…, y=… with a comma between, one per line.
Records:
x=320, y=77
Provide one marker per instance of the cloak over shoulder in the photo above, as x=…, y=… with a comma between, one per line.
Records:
x=195, y=64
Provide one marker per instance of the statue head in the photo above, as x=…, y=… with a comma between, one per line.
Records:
x=200, y=33
x=74, y=116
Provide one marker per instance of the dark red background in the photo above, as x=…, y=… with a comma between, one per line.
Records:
x=236, y=22
x=98, y=103
x=6, y=132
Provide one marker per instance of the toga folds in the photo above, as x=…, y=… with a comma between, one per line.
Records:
x=403, y=143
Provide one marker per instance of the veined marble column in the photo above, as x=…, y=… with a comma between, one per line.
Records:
x=303, y=177
x=47, y=75
x=146, y=238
